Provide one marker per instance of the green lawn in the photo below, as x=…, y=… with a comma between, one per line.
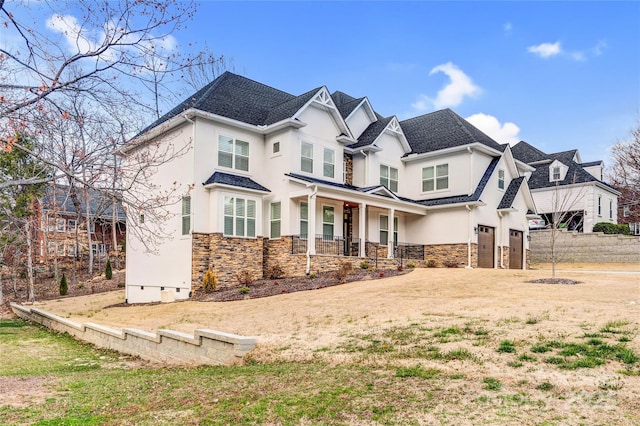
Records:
x=409, y=375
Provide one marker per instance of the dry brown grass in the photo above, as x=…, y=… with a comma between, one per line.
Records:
x=394, y=321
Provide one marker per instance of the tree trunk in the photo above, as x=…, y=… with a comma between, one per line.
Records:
x=1, y=293
x=32, y=292
x=89, y=241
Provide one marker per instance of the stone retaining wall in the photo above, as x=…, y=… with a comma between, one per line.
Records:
x=204, y=347
x=594, y=247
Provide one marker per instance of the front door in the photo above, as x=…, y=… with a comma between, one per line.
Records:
x=515, y=249
x=486, y=246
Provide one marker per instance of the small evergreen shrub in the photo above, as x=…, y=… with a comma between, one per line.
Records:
x=450, y=264
x=365, y=265
x=244, y=278
x=209, y=282
x=64, y=287
x=431, y=263
x=344, y=270
x=108, y=272
x=411, y=264
x=612, y=228
x=244, y=290
x=313, y=275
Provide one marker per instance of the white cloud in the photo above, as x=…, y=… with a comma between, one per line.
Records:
x=546, y=50
x=451, y=95
x=507, y=27
x=76, y=36
x=501, y=133
x=598, y=49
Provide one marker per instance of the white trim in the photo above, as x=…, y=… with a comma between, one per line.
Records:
x=445, y=152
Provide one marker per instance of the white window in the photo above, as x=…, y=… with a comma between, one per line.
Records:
x=435, y=178
x=328, y=163
x=276, y=217
x=501, y=179
x=72, y=224
x=233, y=153
x=92, y=227
x=384, y=230
x=327, y=222
x=61, y=225
x=610, y=209
x=52, y=248
x=599, y=205
x=555, y=173
x=389, y=177
x=276, y=147
x=304, y=220
x=71, y=250
x=98, y=249
x=239, y=217
x=625, y=211
x=306, y=157
x=186, y=215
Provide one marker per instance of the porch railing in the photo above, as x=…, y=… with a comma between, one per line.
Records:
x=408, y=251
x=326, y=244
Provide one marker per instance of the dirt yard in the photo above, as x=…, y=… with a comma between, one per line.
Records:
x=473, y=316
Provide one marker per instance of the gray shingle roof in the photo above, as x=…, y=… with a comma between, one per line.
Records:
x=443, y=129
x=371, y=133
x=345, y=103
x=527, y=153
x=511, y=193
x=592, y=163
x=100, y=205
x=235, y=180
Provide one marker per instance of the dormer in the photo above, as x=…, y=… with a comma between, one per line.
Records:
x=557, y=171
x=594, y=168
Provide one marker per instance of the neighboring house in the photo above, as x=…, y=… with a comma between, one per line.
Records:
x=629, y=209
x=272, y=181
x=63, y=233
x=562, y=183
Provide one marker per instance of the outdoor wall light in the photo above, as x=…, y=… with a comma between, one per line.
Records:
x=528, y=237
x=475, y=230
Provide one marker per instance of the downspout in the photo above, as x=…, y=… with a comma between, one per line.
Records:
x=501, y=241
x=469, y=225
x=312, y=195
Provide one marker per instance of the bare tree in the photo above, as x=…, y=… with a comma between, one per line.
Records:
x=625, y=170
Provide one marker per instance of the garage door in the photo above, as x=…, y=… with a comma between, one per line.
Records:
x=515, y=249
x=485, y=246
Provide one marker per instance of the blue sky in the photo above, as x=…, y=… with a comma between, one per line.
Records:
x=560, y=75
x=564, y=74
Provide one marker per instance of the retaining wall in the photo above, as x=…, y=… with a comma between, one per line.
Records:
x=204, y=347
x=593, y=247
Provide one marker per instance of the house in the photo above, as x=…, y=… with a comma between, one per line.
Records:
x=272, y=183
x=629, y=209
x=562, y=183
x=63, y=231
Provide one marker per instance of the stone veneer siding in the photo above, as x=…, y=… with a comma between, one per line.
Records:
x=456, y=253
x=226, y=256
x=348, y=161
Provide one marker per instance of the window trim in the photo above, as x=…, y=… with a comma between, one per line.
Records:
x=303, y=219
x=302, y=156
x=332, y=163
x=554, y=177
x=626, y=211
x=396, y=226
x=234, y=216
x=235, y=155
x=599, y=205
x=273, y=220
x=435, y=178
x=75, y=225
x=333, y=229
x=61, y=224
x=389, y=179
x=186, y=215
x=610, y=209
x=501, y=179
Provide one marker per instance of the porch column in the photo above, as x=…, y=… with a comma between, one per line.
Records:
x=362, y=212
x=311, y=231
x=392, y=213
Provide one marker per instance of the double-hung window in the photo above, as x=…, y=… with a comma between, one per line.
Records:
x=71, y=225
x=501, y=179
x=276, y=218
x=435, y=178
x=304, y=220
x=555, y=173
x=384, y=230
x=328, y=163
x=61, y=225
x=327, y=222
x=610, y=209
x=599, y=205
x=389, y=177
x=306, y=157
x=626, y=211
x=239, y=217
x=186, y=215
x=233, y=153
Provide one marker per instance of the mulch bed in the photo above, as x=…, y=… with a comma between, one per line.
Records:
x=266, y=288
x=564, y=281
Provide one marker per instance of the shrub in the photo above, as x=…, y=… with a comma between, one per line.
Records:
x=108, y=272
x=506, y=346
x=64, y=288
x=381, y=274
x=244, y=290
x=244, y=278
x=611, y=228
x=344, y=270
x=209, y=282
x=275, y=271
x=431, y=263
x=411, y=264
x=450, y=263
x=365, y=265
